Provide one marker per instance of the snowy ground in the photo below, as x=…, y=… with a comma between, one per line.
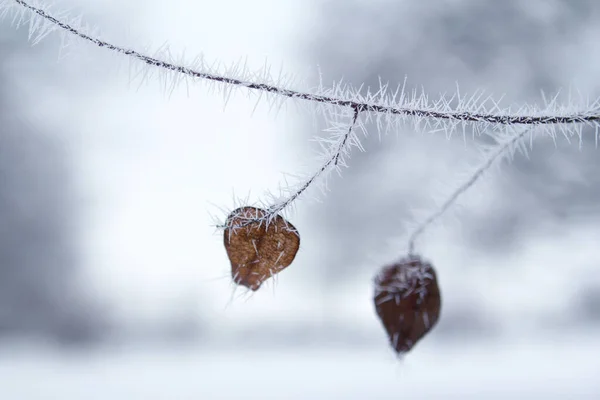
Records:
x=546, y=369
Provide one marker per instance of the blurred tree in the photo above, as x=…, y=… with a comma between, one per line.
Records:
x=39, y=293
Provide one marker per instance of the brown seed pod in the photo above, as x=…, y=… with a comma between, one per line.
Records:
x=407, y=301
x=258, y=249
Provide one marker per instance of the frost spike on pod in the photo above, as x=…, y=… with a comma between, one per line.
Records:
x=407, y=300
x=258, y=250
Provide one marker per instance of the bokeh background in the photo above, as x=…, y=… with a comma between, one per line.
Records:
x=114, y=283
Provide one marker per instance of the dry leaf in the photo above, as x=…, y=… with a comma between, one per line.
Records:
x=407, y=301
x=258, y=249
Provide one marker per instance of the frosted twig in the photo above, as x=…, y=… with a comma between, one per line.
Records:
x=420, y=108
x=335, y=159
x=477, y=173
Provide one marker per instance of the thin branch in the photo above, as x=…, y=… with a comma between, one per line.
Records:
x=478, y=173
x=335, y=159
x=423, y=112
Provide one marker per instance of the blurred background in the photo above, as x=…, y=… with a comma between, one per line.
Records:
x=115, y=285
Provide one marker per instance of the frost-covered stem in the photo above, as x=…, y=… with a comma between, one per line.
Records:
x=333, y=161
x=462, y=116
x=478, y=173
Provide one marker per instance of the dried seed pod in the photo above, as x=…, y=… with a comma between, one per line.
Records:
x=407, y=301
x=257, y=247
